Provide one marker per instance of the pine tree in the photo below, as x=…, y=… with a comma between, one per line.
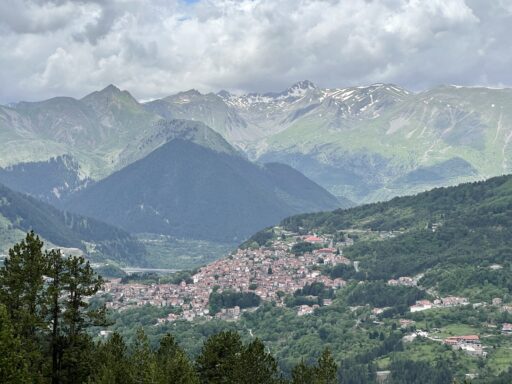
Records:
x=326, y=370
x=13, y=364
x=217, y=362
x=21, y=285
x=256, y=366
x=142, y=361
x=174, y=366
x=23, y=294
x=56, y=272
x=112, y=364
x=303, y=374
x=79, y=282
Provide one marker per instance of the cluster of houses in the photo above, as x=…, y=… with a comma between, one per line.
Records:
x=405, y=281
x=444, y=302
x=269, y=272
x=470, y=344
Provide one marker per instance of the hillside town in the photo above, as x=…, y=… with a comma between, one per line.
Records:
x=269, y=272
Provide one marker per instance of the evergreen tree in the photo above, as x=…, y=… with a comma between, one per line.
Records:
x=255, y=366
x=174, y=366
x=112, y=359
x=55, y=271
x=217, y=362
x=13, y=365
x=142, y=361
x=44, y=296
x=303, y=374
x=22, y=292
x=79, y=282
x=326, y=371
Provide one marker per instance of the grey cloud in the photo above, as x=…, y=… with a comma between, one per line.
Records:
x=35, y=17
x=154, y=48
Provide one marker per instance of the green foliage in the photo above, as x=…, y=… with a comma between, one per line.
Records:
x=256, y=366
x=303, y=247
x=327, y=368
x=143, y=365
x=230, y=299
x=22, y=285
x=181, y=253
x=379, y=294
x=113, y=365
x=408, y=371
x=173, y=364
x=218, y=359
x=324, y=372
x=44, y=295
x=343, y=271
x=110, y=270
x=462, y=229
x=214, y=194
x=303, y=374
x=315, y=289
x=156, y=278
x=310, y=294
x=260, y=238
x=13, y=362
x=66, y=229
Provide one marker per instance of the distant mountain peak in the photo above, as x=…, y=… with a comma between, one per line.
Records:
x=224, y=94
x=190, y=92
x=297, y=90
x=303, y=84
x=110, y=92
x=388, y=87
x=110, y=88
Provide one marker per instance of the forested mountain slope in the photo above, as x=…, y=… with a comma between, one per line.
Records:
x=452, y=234
x=20, y=213
x=188, y=190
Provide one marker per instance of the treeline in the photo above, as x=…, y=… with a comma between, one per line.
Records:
x=224, y=359
x=408, y=211
x=419, y=372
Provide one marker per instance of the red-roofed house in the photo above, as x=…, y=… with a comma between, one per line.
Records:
x=313, y=239
x=506, y=329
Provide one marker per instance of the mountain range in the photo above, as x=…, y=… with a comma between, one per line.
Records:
x=219, y=166
x=109, y=157
x=364, y=143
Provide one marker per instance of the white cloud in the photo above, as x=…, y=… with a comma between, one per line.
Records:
x=154, y=48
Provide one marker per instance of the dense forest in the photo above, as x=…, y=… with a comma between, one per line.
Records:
x=457, y=231
x=65, y=229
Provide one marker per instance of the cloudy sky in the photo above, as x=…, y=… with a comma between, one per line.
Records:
x=157, y=47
